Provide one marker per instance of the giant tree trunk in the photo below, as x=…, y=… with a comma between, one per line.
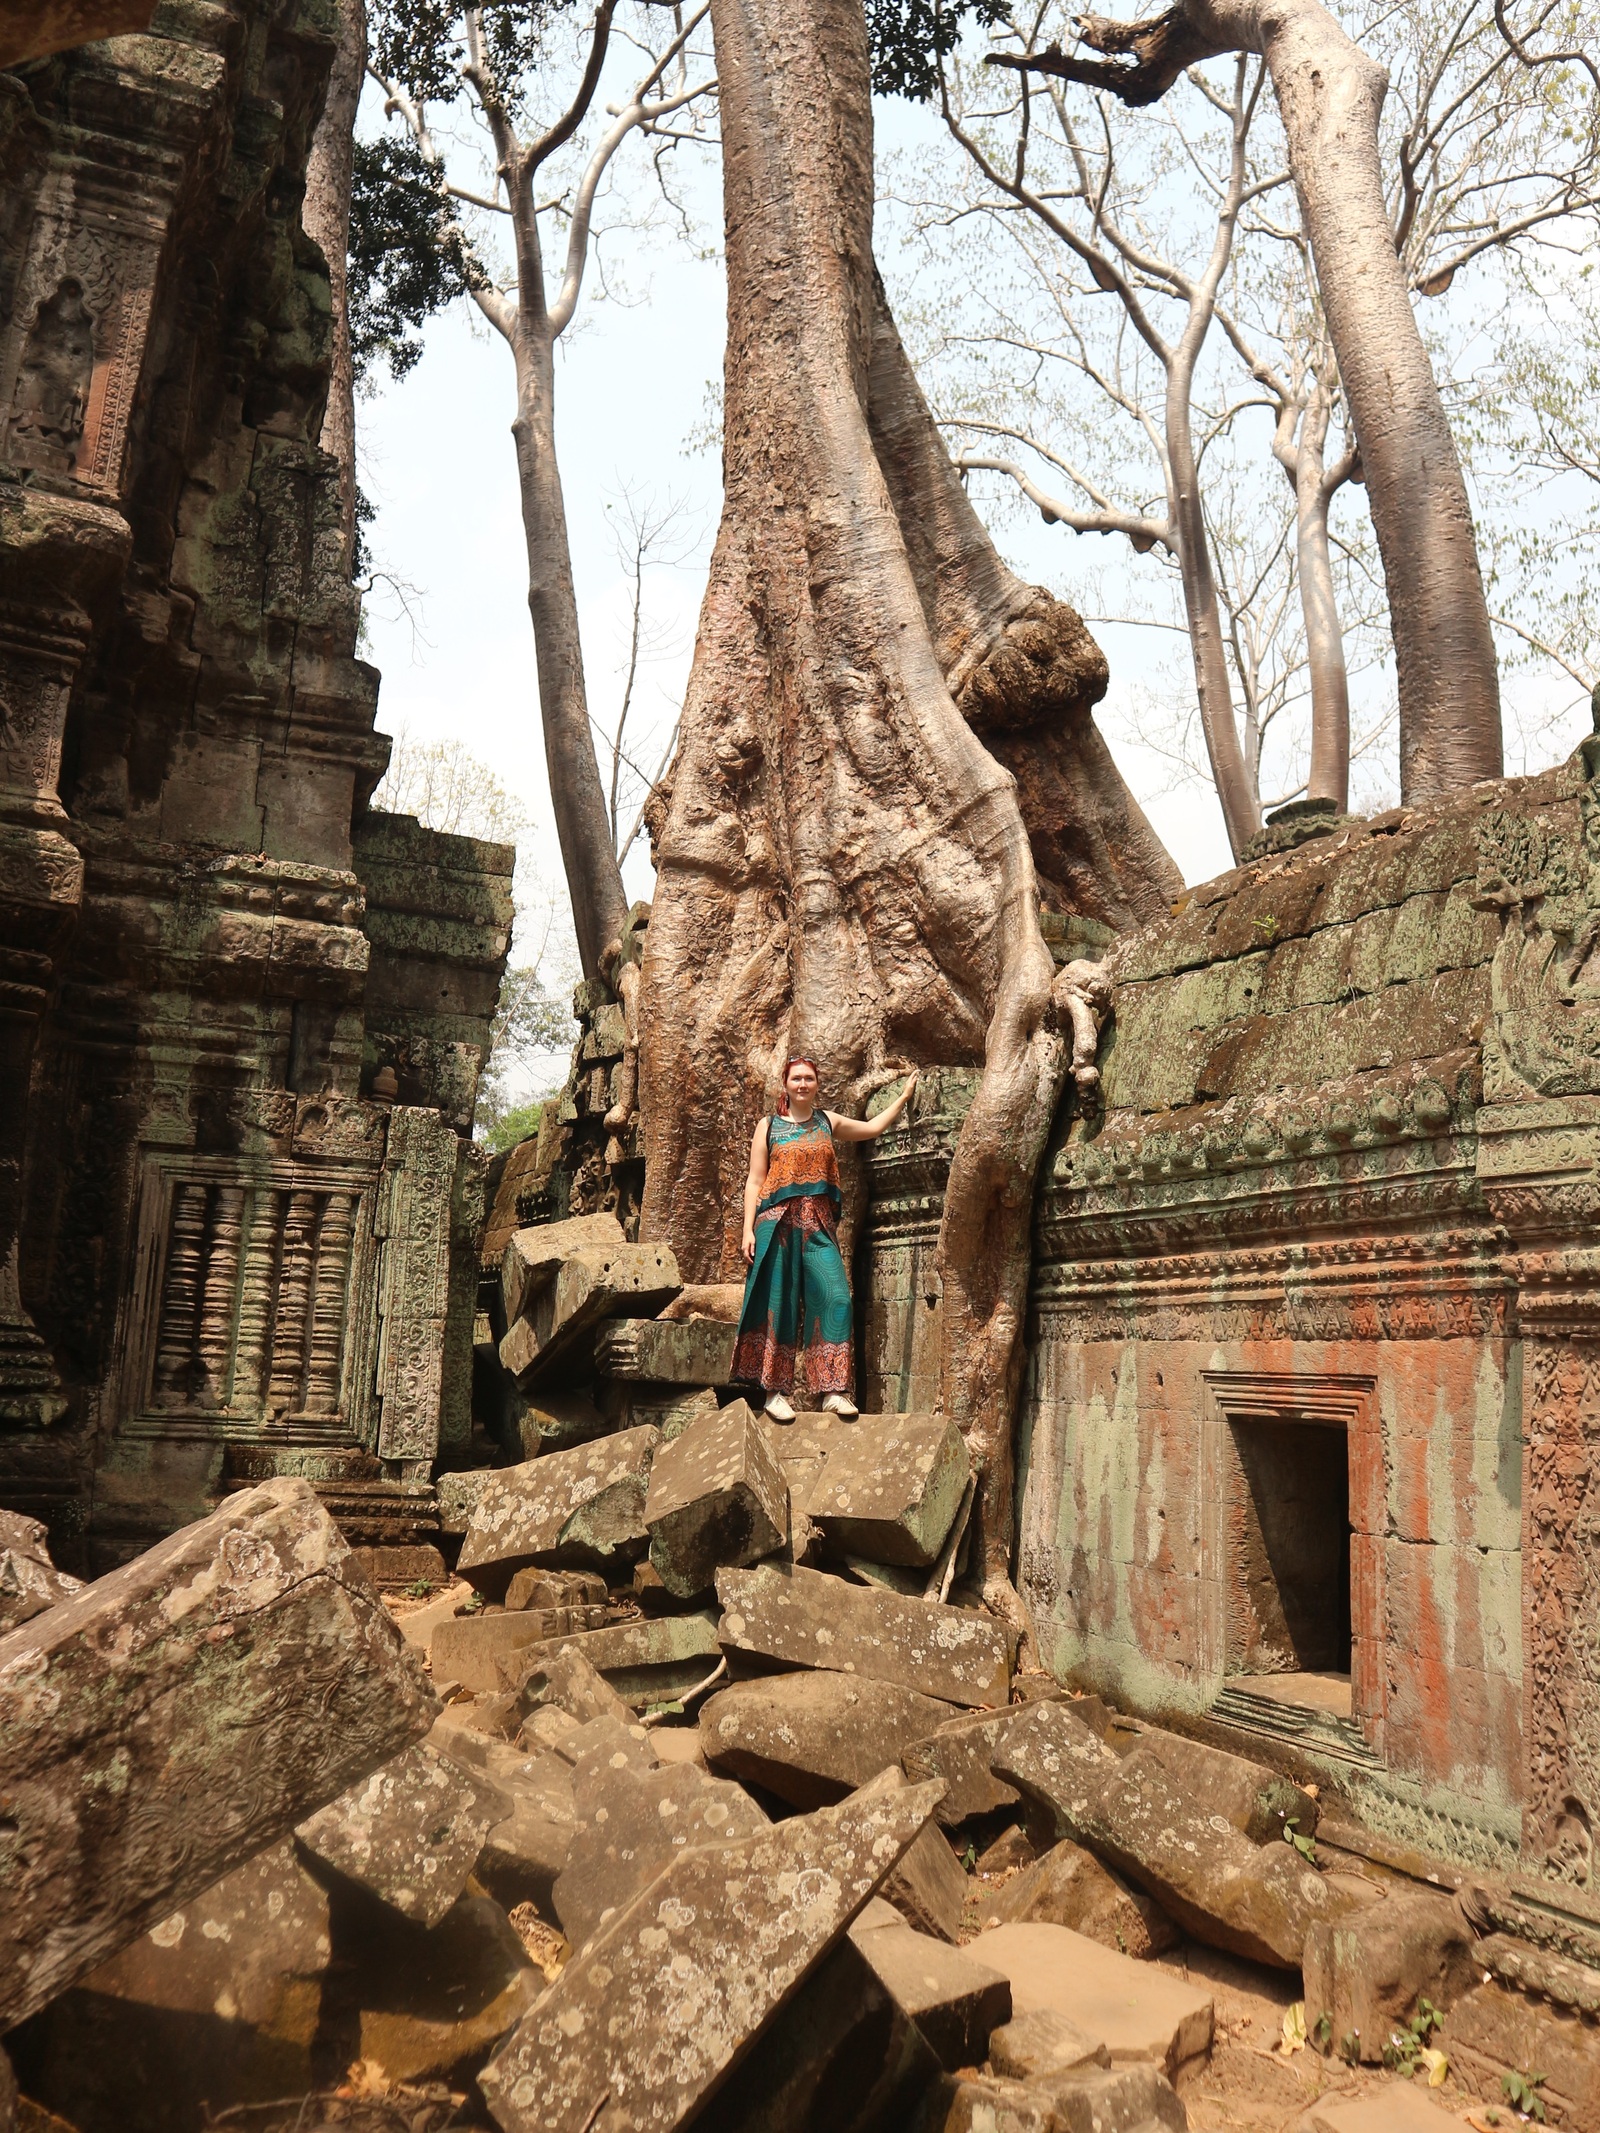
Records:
x=578, y=800
x=1330, y=95
x=326, y=217
x=1314, y=487
x=842, y=868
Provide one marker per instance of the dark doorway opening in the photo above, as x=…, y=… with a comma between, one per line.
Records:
x=1291, y=1549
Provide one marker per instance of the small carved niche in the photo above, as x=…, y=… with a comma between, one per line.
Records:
x=51, y=401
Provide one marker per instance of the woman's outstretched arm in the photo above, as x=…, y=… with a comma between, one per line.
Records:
x=868, y=1129
x=753, y=1183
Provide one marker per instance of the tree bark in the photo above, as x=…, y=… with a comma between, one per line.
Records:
x=842, y=867
x=1315, y=485
x=1330, y=95
x=326, y=217
x=594, y=880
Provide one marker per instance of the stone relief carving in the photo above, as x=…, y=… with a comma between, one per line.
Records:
x=51, y=399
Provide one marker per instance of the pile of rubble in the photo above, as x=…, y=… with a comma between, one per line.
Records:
x=724, y=1803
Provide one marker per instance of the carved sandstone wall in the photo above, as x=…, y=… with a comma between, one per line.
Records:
x=241, y=1017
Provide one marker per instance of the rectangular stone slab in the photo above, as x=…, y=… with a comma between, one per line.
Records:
x=594, y=1283
x=950, y=1993
x=717, y=1499
x=659, y=1351
x=962, y=1753
x=892, y=1486
x=534, y=1256
x=469, y=1649
x=641, y=2025
x=1137, y=2010
x=808, y=1619
x=179, y=1715
x=582, y=1506
x=646, y=1661
x=410, y=1832
x=812, y=1737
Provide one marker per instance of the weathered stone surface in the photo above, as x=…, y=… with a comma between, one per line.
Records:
x=1135, y=2008
x=664, y=1351
x=555, y=1337
x=470, y=1649
x=178, y=1715
x=554, y=1421
x=808, y=1619
x=523, y=1853
x=458, y=1495
x=1494, y=2029
x=632, y=1823
x=1398, y=2107
x=1254, y=1800
x=840, y=2056
x=533, y=1257
x=1366, y=1974
x=928, y=1887
x=1258, y=1901
x=410, y=1832
x=1012, y=1849
x=699, y=1962
x=412, y=1563
x=1070, y=1887
x=892, y=1486
x=1128, y=2099
x=652, y=1660
x=961, y=1752
x=574, y=1689
x=29, y=1581
x=579, y=1507
x=812, y=1737
x=555, y=1588
x=717, y=1499
x=1042, y=2041
x=953, y=1999
x=983, y=2103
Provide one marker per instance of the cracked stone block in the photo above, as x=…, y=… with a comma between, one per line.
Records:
x=1136, y=2009
x=928, y=1888
x=522, y=1854
x=1070, y=1887
x=29, y=1581
x=1042, y=2041
x=650, y=1660
x=953, y=1998
x=555, y=1338
x=805, y=1618
x=810, y=1738
x=582, y=1507
x=1258, y=1901
x=1367, y=1973
x=533, y=1257
x=1254, y=1800
x=179, y=1715
x=641, y=2025
x=468, y=1649
x=962, y=1752
x=633, y=1823
x=664, y=1351
x=573, y=1689
x=1128, y=2099
x=891, y=1488
x=410, y=1832
x=717, y=1499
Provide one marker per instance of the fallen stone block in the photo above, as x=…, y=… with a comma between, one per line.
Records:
x=524, y=1851
x=717, y=1499
x=961, y=1753
x=582, y=1508
x=891, y=1488
x=841, y=2056
x=811, y=1738
x=679, y=1745
x=632, y=1823
x=395, y=1565
x=555, y=1336
x=554, y=1421
x=533, y=1257
x=469, y=1649
x=1012, y=1850
x=1397, y=2107
x=1258, y=1901
x=418, y=1624
x=1070, y=1887
x=1494, y=2030
x=1365, y=1975
x=666, y=1408
x=1128, y=2099
x=953, y=1999
x=1135, y=2009
x=29, y=1581
x=928, y=1886
x=665, y=1351
x=218, y=2004
x=911, y=1584
x=808, y=1619
x=179, y=1715
x=802, y=1447
x=984, y=2103
x=648, y=1661
x=458, y=1495
x=572, y=1689
x=1041, y=2042
x=1252, y=1799
x=410, y=1832
x=698, y=1963
x=719, y=1300
x=530, y=1589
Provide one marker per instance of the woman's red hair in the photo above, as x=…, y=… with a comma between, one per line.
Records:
x=797, y=1060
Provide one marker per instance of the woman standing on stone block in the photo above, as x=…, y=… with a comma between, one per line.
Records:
x=796, y=1315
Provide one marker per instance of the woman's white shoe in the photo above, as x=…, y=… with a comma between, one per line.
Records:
x=840, y=1404
x=778, y=1408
